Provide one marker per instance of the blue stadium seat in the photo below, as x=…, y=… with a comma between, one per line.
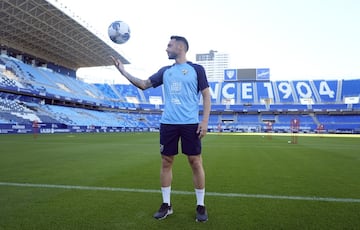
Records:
x=240, y=104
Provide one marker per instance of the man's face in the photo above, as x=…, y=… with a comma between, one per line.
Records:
x=173, y=49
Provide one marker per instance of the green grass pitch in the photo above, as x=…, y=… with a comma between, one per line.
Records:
x=111, y=181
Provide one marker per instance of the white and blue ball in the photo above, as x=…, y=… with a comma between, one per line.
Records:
x=119, y=32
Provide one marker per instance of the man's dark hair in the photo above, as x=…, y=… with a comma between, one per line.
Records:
x=182, y=39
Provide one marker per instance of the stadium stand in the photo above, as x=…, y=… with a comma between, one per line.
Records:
x=35, y=93
x=39, y=83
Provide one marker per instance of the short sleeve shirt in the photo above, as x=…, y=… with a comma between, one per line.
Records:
x=182, y=84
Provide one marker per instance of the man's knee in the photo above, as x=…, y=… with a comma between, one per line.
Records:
x=195, y=161
x=167, y=161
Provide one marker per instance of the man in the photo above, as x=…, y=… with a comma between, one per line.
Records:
x=180, y=119
x=35, y=126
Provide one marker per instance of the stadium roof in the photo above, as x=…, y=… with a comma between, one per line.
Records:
x=38, y=28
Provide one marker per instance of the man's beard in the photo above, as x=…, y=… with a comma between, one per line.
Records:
x=172, y=56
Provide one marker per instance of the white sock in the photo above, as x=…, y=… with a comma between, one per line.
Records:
x=166, y=194
x=200, y=196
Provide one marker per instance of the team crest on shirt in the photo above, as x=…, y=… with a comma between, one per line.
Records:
x=184, y=71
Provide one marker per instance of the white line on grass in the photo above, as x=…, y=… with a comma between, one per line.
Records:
x=259, y=196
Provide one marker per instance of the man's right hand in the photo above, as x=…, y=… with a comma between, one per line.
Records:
x=119, y=65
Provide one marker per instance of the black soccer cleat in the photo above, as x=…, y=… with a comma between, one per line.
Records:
x=201, y=214
x=163, y=212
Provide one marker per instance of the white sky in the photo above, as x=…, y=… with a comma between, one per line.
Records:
x=304, y=39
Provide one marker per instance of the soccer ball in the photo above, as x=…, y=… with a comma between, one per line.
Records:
x=119, y=32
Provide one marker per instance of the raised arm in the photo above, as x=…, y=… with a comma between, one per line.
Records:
x=141, y=84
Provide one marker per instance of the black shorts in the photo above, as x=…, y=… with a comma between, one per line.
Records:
x=171, y=134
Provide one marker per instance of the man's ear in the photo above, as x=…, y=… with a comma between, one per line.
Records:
x=181, y=46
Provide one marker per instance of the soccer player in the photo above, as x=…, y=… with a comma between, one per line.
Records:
x=35, y=126
x=183, y=82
